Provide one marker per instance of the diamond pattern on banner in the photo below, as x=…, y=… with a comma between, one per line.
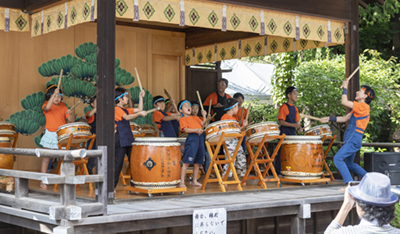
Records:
x=258, y=48
x=247, y=49
x=194, y=16
x=48, y=23
x=337, y=34
x=169, y=13
x=21, y=22
x=222, y=53
x=235, y=21
x=303, y=43
x=86, y=11
x=232, y=51
x=253, y=23
x=36, y=27
x=286, y=44
x=213, y=18
x=288, y=28
x=317, y=43
x=187, y=59
x=148, y=10
x=320, y=32
x=121, y=7
x=273, y=46
x=73, y=15
x=199, y=57
x=306, y=30
x=209, y=56
x=60, y=19
x=272, y=26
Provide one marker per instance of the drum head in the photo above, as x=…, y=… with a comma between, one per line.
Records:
x=75, y=124
x=214, y=137
x=64, y=140
x=220, y=122
x=4, y=140
x=261, y=124
x=257, y=138
x=156, y=141
x=302, y=140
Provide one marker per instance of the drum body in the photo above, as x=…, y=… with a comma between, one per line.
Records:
x=6, y=160
x=215, y=130
x=149, y=130
x=320, y=130
x=255, y=132
x=7, y=128
x=135, y=128
x=77, y=129
x=155, y=162
x=302, y=157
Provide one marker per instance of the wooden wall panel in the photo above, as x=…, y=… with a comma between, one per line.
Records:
x=21, y=55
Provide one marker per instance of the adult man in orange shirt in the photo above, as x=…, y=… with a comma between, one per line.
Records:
x=218, y=99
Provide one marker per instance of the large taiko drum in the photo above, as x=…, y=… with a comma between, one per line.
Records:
x=255, y=132
x=320, y=130
x=155, y=162
x=6, y=160
x=302, y=157
x=135, y=128
x=76, y=129
x=149, y=130
x=215, y=130
x=7, y=128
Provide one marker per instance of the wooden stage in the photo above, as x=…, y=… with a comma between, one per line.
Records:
x=253, y=210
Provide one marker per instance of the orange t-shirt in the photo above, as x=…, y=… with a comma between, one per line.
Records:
x=119, y=113
x=239, y=113
x=228, y=117
x=192, y=122
x=284, y=111
x=214, y=98
x=55, y=117
x=89, y=119
x=361, y=110
x=157, y=116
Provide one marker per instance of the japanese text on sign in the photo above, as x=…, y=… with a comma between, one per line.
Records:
x=210, y=221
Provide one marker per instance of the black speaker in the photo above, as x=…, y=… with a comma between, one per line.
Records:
x=387, y=163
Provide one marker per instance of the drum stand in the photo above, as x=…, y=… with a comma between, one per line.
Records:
x=324, y=138
x=230, y=160
x=9, y=181
x=81, y=162
x=255, y=161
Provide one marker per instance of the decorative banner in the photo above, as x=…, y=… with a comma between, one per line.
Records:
x=17, y=21
x=255, y=46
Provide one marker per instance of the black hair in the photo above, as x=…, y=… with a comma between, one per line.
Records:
x=238, y=95
x=230, y=102
x=50, y=90
x=224, y=80
x=370, y=94
x=383, y=214
x=92, y=100
x=118, y=92
x=289, y=90
x=156, y=98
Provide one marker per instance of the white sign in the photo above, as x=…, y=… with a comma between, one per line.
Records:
x=210, y=221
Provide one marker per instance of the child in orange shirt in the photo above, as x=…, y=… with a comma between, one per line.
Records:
x=91, y=118
x=123, y=136
x=164, y=119
x=55, y=112
x=231, y=108
x=194, y=144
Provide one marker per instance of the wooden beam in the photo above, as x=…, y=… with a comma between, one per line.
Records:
x=201, y=36
x=16, y=4
x=38, y=5
x=105, y=86
x=338, y=9
x=363, y=4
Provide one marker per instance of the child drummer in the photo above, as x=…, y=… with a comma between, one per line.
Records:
x=231, y=108
x=91, y=118
x=164, y=119
x=194, y=144
x=289, y=119
x=358, y=121
x=241, y=114
x=123, y=136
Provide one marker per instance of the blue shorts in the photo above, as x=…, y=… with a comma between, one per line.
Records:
x=194, y=149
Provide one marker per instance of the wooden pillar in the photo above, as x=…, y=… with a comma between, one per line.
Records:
x=352, y=47
x=106, y=85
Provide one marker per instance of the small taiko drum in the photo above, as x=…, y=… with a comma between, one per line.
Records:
x=135, y=128
x=6, y=160
x=7, y=128
x=302, y=157
x=155, y=162
x=255, y=132
x=76, y=129
x=320, y=130
x=215, y=130
x=149, y=130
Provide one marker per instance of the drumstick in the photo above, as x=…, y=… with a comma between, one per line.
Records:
x=241, y=115
x=209, y=108
x=152, y=110
x=59, y=80
x=352, y=74
x=166, y=93
x=248, y=111
x=310, y=117
x=169, y=96
x=138, y=79
x=198, y=96
x=76, y=104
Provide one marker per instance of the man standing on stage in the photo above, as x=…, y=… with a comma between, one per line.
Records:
x=218, y=99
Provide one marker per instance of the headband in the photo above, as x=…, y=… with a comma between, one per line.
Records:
x=120, y=96
x=292, y=91
x=368, y=93
x=160, y=99
x=51, y=86
x=231, y=106
x=166, y=102
x=183, y=102
x=195, y=104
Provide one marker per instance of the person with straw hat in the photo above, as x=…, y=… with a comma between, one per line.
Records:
x=375, y=205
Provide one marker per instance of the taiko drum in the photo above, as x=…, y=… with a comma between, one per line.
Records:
x=149, y=130
x=215, y=130
x=155, y=162
x=7, y=128
x=135, y=128
x=255, y=132
x=320, y=130
x=76, y=129
x=302, y=157
x=6, y=160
